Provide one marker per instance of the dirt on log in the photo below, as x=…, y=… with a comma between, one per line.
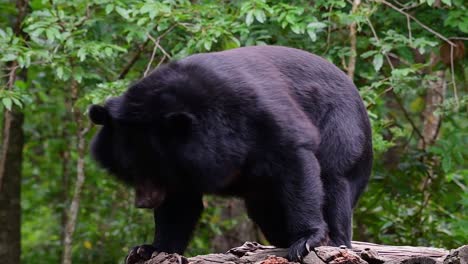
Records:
x=361, y=253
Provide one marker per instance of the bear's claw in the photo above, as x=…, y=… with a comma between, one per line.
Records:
x=302, y=248
x=139, y=254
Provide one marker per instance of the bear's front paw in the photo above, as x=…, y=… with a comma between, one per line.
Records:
x=302, y=247
x=139, y=254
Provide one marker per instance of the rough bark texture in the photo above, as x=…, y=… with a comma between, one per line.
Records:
x=10, y=170
x=434, y=98
x=233, y=208
x=10, y=161
x=352, y=39
x=362, y=253
x=72, y=215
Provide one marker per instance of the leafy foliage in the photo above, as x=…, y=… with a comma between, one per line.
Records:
x=417, y=195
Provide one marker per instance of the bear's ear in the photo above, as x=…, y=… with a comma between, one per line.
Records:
x=99, y=115
x=179, y=123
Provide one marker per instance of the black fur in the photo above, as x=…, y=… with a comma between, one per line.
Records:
x=282, y=128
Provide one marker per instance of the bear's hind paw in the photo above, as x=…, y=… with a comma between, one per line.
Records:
x=302, y=248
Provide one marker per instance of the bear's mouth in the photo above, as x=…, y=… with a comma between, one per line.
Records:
x=148, y=196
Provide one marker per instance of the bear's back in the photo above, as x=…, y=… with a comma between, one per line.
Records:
x=282, y=77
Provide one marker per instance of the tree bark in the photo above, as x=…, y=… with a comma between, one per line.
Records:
x=66, y=175
x=10, y=161
x=434, y=98
x=73, y=211
x=353, y=40
x=10, y=194
x=361, y=253
x=244, y=229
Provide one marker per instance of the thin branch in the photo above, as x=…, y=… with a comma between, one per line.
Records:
x=12, y=75
x=452, y=69
x=137, y=55
x=426, y=196
x=352, y=39
x=132, y=61
x=410, y=35
x=161, y=61
x=407, y=116
x=378, y=40
x=81, y=146
x=417, y=21
x=460, y=38
x=167, y=31
x=403, y=7
x=148, y=67
x=328, y=30
x=391, y=90
x=156, y=43
x=164, y=51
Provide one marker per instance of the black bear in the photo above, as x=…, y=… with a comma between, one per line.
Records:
x=279, y=127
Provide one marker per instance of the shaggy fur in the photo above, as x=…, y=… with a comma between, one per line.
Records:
x=282, y=128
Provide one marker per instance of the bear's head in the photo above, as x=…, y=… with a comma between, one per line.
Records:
x=139, y=151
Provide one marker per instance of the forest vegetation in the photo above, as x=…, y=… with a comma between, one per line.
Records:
x=57, y=57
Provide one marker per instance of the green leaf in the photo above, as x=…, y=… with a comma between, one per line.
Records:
x=9, y=57
x=36, y=33
x=447, y=2
x=317, y=25
x=142, y=21
x=231, y=43
x=312, y=34
x=21, y=62
x=296, y=28
x=446, y=163
x=123, y=12
x=60, y=72
x=81, y=54
x=108, y=51
x=50, y=34
x=17, y=102
x=207, y=44
x=260, y=15
x=369, y=53
x=7, y=103
x=249, y=18
x=109, y=8
x=378, y=62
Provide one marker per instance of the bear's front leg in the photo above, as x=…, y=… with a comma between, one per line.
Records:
x=303, y=196
x=175, y=221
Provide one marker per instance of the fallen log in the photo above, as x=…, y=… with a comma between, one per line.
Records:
x=361, y=253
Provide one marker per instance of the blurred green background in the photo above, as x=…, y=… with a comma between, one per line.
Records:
x=57, y=57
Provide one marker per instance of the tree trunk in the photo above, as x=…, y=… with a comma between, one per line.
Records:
x=73, y=211
x=434, y=98
x=10, y=161
x=66, y=171
x=352, y=38
x=244, y=229
x=10, y=193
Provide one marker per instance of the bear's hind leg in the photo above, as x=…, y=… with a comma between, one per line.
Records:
x=338, y=211
x=342, y=194
x=290, y=210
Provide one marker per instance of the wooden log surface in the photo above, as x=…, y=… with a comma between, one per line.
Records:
x=361, y=253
